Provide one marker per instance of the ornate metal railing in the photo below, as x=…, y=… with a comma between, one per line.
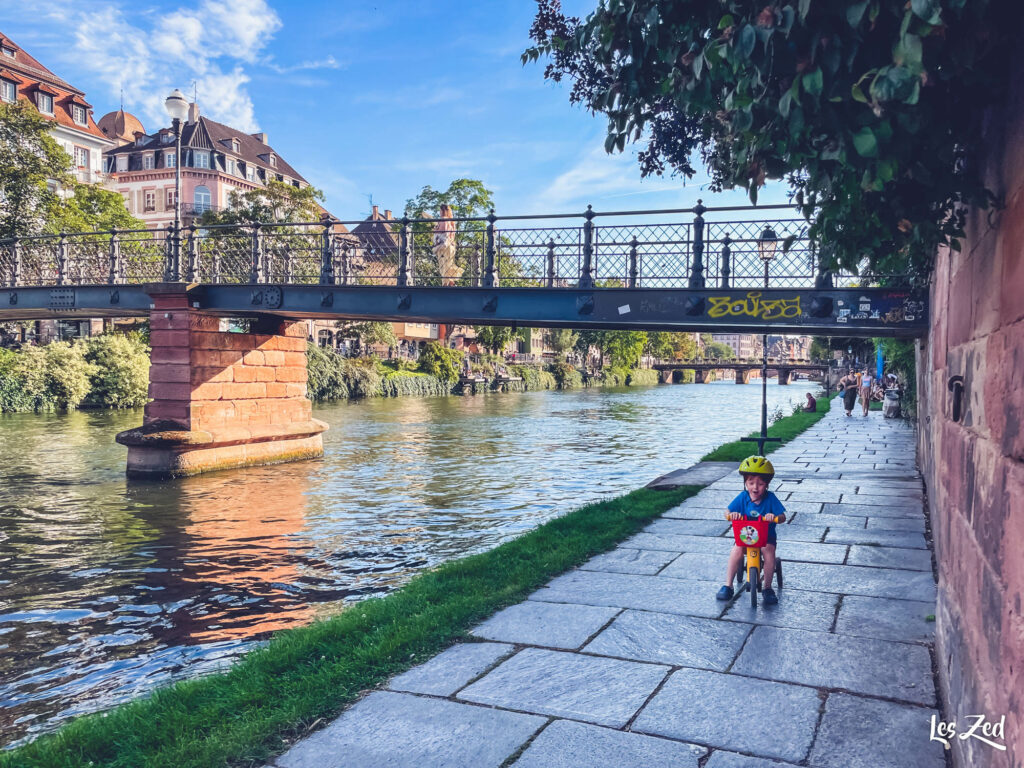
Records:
x=635, y=249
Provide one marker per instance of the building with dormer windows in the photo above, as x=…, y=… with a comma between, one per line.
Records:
x=24, y=78
x=215, y=161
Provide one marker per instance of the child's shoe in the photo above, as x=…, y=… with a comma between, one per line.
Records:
x=725, y=593
x=769, y=596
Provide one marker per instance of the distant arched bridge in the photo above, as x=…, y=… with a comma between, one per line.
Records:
x=784, y=369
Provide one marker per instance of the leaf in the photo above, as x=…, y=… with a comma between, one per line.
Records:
x=785, y=103
x=609, y=143
x=745, y=42
x=804, y=7
x=858, y=94
x=928, y=10
x=865, y=143
x=813, y=82
x=698, y=65
x=855, y=13
x=726, y=22
x=788, y=17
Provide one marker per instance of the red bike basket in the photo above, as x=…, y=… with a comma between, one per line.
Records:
x=750, y=533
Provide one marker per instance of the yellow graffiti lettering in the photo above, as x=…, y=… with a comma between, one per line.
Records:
x=753, y=306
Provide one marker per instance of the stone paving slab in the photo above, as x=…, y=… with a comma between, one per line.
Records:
x=901, y=620
x=813, y=496
x=672, y=542
x=403, y=731
x=690, y=527
x=447, y=672
x=890, y=557
x=552, y=625
x=913, y=524
x=638, y=561
x=846, y=508
x=646, y=593
x=702, y=473
x=666, y=639
x=589, y=688
x=690, y=512
x=866, y=733
x=568, y=744
x=812, y=552
x=697, y=565
x=828, y=521
x=714, y=709
x=796, y=609
x=859, y=580
x=722, y=759
x=800, y=507
x=903, y=539
x=808, y=533
x=861, y=665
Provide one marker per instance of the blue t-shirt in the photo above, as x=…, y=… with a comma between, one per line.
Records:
x=770, y=505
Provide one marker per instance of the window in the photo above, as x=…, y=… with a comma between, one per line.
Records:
x=201, y=160
x=170, y=160
x=273, y=160
x=79, y=115
x=167, y=138
x=149, y=200
x=171, y=199
x=202, y=199
x=82, y=156
x=44, y=102
x=122, y=163
x=250, y=172
x=8, y=91
x=147, y=162
x=234, y=145
x=229, y=166
x=8, y=52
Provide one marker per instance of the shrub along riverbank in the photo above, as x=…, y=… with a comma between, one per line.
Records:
x=276, y=695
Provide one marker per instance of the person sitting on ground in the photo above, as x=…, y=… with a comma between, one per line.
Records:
x=811, y=405
x=755, y=502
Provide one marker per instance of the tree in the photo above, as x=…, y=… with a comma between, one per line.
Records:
x=91, y=209
x=275, y=202
x=496, y=337
x=869, y=108
x=467, y=197
x=671, y=346
x=367, y=332
x=32, y=165
x=624, y=348
x=587, y=339
x=561, y=340
x=718, y=351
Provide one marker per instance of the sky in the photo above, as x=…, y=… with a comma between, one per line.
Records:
x=368, y=101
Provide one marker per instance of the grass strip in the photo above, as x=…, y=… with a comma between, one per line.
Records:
x=787, y=428
x=276, y=695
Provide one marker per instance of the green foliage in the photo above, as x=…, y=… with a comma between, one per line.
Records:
x=409, y=383
x=91, y=208
x=561, y=340
x=467, y=197
x=29, y=160
x=642, y=377
x=496, y=337
x=440, y=362
x=325, y=374
x=534, y=378
x=276, y=201
x=718, y=350
x=871, y=109
x=566, y=376
x=671, y=346
x=121, y=378
x=786, y=428
x=56, y=377
x=624, y=348
x=368, y=332
x=900, y=359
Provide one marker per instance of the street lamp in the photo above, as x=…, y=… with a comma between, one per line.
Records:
x=177, y=107
x=766, y=250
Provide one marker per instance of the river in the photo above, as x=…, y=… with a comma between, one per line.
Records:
x=109, y=588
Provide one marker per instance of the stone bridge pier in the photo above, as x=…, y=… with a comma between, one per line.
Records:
x=667, y=376
x=221, y=400
x=785, y=375
x=742, y=376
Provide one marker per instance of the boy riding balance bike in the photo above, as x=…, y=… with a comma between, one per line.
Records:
x=755, y=503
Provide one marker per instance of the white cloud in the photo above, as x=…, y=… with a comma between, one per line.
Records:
x=329, y=63
x=205, y=47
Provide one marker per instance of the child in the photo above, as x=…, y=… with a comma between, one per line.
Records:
x=754, y=502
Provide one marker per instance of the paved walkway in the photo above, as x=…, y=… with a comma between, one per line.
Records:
x=630, y=660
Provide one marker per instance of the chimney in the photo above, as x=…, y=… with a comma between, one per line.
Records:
x=387, y=214
x=260, y=137
x=193, y=113
x=376, y=213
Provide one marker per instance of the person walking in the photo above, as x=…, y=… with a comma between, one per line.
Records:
x=865, y=390
x=848, y=384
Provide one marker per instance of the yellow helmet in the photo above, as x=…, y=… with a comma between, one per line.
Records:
x=757, y=465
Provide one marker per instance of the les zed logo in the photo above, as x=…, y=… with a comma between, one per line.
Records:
x=980, y=729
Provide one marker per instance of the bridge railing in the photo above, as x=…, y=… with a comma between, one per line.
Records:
x=695, y=247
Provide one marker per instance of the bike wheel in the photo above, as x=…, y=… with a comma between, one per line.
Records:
x=753, y=580
x=778, y=572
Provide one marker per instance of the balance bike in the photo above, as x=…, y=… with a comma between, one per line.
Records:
x=753, y=535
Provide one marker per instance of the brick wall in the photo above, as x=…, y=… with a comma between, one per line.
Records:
x=974, y=468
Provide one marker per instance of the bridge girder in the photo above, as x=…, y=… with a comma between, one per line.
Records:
x=835, y=312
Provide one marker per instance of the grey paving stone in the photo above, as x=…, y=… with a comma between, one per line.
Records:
x=901, y=620
x=684, y=512
x=803, y=506
x=858, y=580
x=705, y=707
x=882, y=500
x=802, y=551
x=890, y=557
x=862, y=665
x=666, y=639
x=625, y=560
x=899, y=510
x=797, y=608
x=403, y=731
x=672, y=542
x=810, y=533
x=567, y=744
x=890, y=492
x=903, y=539
x=697, y=565
x=689, y=527
x=828, y=521
x=595, y=690
x=701, y=473
x=896, y=524
x=722, y=759
x=866, y=733
x=444, y=674
x=818, y=496
x=553, y=625
x=646, y=593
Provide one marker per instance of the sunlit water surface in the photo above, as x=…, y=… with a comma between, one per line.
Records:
x=109, y=588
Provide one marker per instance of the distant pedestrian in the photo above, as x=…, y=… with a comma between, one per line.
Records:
x=849, y=386
x=865, y=390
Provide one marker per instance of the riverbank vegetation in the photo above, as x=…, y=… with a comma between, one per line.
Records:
x=786, y=428
x=274, y=696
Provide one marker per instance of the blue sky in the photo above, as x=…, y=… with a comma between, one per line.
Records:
x=361, y=98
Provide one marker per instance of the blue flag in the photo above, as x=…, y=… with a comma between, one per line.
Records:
x=879, y=363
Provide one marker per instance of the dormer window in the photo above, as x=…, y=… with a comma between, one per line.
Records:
x=235, y=145
x=8, y=91
x=44, y=103
x=201, y=160
x=122, y=163
x=8, y=52
x=273, y=161
x=79, y=115
x=250, y=172
x=166, y=138
x=147, y=162
x=140, y=140
x=229, y=165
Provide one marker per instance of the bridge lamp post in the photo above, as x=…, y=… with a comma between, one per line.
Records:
x=177, y=107
x=766, y=250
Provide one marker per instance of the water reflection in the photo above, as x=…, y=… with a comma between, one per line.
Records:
x=110, y=588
